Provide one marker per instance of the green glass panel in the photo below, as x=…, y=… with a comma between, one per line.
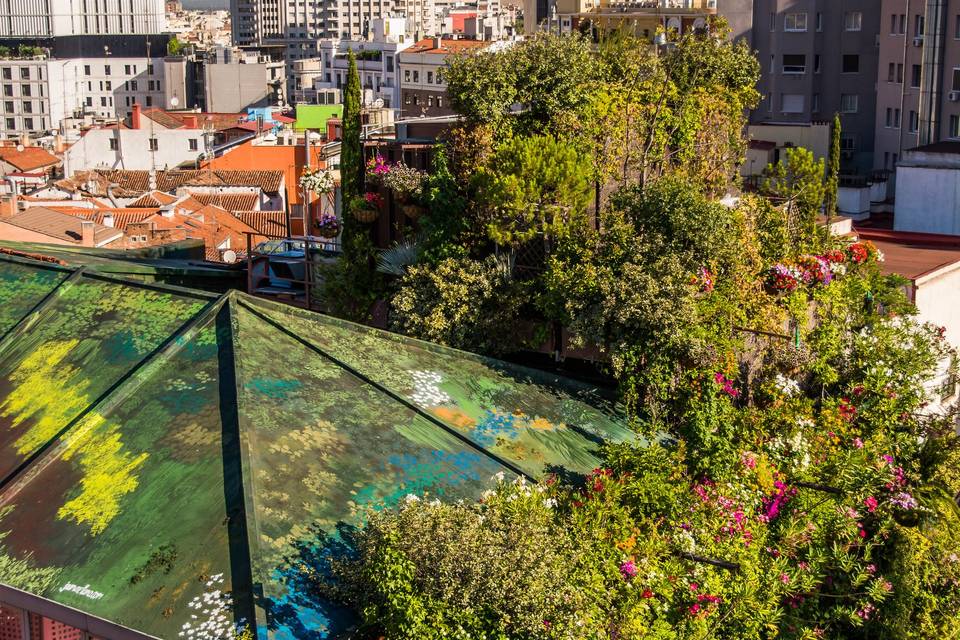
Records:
x=536, y=420
x=126, y=518
x=86, y=339
x=323, y=446
x=22, y=287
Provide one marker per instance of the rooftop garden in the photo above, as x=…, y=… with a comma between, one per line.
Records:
x=794, y=480
x=22, y=52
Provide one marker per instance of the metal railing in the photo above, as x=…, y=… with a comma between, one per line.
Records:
x=285, y=267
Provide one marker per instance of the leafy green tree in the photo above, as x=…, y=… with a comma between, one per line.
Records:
x=798, y=181
x=351, y=146
x=174, y=47
x=533, y=186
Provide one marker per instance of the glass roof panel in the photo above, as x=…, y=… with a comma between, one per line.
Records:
x=22, y=287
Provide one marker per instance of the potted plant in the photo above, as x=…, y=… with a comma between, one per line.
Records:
x=328, y=226
x=318, y=181
x=377, y=170
x=366, y=209
x=407, y=186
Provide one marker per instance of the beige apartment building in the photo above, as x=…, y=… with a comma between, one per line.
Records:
x=918, y=80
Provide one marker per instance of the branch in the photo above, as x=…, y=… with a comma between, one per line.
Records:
x=723, y=564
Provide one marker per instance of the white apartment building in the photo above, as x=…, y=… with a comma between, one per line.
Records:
x=317, y=79
x=36, y=94
x=58, y=18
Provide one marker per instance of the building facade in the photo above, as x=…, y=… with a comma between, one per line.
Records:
x=818, y=58
x=58, y=18
x=918, y=81
x=423, y=87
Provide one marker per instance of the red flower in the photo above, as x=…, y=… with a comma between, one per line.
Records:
x=646, y=593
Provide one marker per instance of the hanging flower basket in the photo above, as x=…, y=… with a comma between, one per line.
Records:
x=318, y=181
x=328, y=226
x=405, y=182
x=412, y=211
x=367, y=208
x=377, y=170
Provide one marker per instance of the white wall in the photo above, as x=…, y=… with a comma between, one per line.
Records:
x=938, y=301
x=93, y=150
x=928, y=200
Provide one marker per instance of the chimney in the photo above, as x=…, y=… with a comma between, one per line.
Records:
x=86, y=233
x=108, y=220
x=190, y=122
x=333, y=124
x=25, y=140
x=437, y=42
x=135, y=116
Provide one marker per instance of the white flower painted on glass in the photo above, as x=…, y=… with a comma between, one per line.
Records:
x=215, y=621
x=426, y=389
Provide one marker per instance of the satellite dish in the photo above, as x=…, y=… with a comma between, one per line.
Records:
x=378, y=103
x=229, y=256
x=19, y=147
x=174, y=102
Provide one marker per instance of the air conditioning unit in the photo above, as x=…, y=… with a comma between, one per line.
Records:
x=918, y=41
x=954, y=96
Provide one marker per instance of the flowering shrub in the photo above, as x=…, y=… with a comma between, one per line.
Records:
x=372, y=200
x=377, y=169
x=318, y=181
x=403, y=180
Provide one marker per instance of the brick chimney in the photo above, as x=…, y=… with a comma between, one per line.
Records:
x=86, y=233
x=333, y=129
x=190, y=122
x=135, y=116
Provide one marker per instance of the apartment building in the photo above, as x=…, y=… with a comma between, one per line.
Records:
x=297, y=26
x=58, y=18
x=423, y=88
x=818, y=58
x=74, y=78
x=918, y=81
x=321, y=79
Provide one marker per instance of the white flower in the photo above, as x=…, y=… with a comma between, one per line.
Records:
x=498, y=476
x=411, y=498
x=549, y=503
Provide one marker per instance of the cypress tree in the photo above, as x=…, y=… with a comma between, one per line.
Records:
x=833, y=170
x=351, y=151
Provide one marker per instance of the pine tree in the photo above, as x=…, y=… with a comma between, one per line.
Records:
x=351, y=151
x=833, y=171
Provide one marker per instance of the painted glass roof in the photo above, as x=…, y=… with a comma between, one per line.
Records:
x=161, y=448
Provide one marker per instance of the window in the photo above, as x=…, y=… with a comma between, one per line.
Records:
x=954, y=127
x=849, y=102
x=773, y=22
x=149, y=69
x=7, y=73
x=852, y=21
x=851, y=64
x=891, y=72
x=149, y=101
x=889, y=121
x=406, y=75
x=109, y=85
x=8, y=106
x=956, y=79
x=430, y=102
x=886, y=159
x=416, y=100
x=89, y=101
x=429, y=77
x=816, y=63
x=416, y=76
x=11, y=123
x=25, y=90
x=8, y=90
x=896, y=118
x=815, y=103
x=918, y=26
x=914, y=122
x=133, y=85
x=819, y=22
x=113, y=144
x=126, y=69
x=106, y=69
x=194, y=145
x=899, y=73
x=153, y=144
x=791, y=103
x=956, y=28
x=406, y=98
x=893, y=27
x=103, y=102
x=794, y=63
x=86, y=69
x=848, y=143
x=28, y=123
x=27, y=106
x=795, y=22
x=439, y=76
x=903, y=25
x=24, y=73
x=440, y=101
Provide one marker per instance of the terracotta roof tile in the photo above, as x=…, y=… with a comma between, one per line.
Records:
x=229, y=201
x=178, y=119
x=134, y=183
x=121, y=217
x=28, y=158
x=62, y=226
x=269, y=223
x=153, y=200
x=446, y=46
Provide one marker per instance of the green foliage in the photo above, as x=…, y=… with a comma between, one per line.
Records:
x=533, y=187
x=444, y=223
x=833, y=170
x=174, y=47
x=797, y=180
x=467, y=304
x=351, y=150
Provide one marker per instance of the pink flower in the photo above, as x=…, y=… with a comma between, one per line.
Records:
x=871, y=569
x=784, y=578
x=858, y=443
x=694, y=609
x=694, y=586
x=871, y=504
x=628, y=570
